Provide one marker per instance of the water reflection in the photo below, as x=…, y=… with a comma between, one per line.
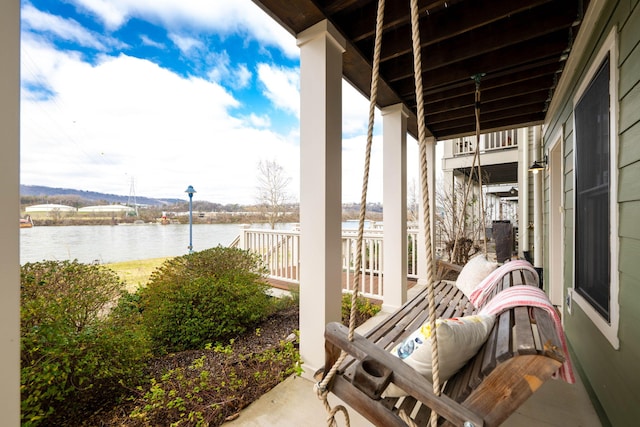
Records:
x=107, y=244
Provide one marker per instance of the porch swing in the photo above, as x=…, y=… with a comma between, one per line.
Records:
x=525, y=346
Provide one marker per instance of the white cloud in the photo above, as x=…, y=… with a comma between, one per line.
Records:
x=146, y=40
x=223, y=71
x=242, y=76
x=112, y=13
x=355, y=113
x=186, y=44
x=281, y=87
x=67, y=29
x=353, y=155
x=223, y=17
x=127, y=117
x=259, y=121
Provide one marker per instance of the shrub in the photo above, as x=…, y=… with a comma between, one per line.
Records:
x=364, y=309
x=71, y=343
x=204, y=297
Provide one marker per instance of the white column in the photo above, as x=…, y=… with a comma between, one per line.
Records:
x=422, y=254
x=321, y=48
x=9, y=211
x=523, y=190
x=394, y=254
x=537, y=201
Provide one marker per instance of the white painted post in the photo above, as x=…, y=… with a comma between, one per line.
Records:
x=9, y=232
x=523, y=191
x=394, y=255
x=321, y=48
x=537, y=201
x=243, y=236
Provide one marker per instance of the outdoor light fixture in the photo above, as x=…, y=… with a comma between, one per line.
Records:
x=537, y=166
x=190, y=192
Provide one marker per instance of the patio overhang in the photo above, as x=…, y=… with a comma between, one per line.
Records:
x=521, y=46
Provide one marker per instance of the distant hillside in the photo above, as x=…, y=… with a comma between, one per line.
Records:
x=38, y=190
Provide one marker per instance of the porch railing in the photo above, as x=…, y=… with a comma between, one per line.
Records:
x=280, y=253
x=488, y=142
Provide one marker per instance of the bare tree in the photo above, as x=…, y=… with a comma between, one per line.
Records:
x=464, y=223
x=412, y=203
x=272, y=190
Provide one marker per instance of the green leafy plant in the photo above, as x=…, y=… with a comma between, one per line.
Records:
x=204, y=297
x=199, y=395
x=74, y=349
x=365, y=309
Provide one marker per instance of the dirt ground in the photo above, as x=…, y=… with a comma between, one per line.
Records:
x=220, y=402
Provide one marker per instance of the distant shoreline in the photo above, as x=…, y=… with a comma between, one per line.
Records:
x=76, y=221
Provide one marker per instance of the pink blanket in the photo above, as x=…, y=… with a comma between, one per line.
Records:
x=485, y=288
x=532, y=297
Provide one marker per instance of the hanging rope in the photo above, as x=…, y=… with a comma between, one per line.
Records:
x=476, y=158
x=426, y=214
x=321, y=388
x=477, y=78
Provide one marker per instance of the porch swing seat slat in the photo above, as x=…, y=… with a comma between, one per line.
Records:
x=521, y=353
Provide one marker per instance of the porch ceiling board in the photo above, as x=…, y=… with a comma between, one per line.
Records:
x=521, y=45
x=505, y=173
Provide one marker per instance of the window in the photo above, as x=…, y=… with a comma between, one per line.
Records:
x=592, y=193
x=595, y=287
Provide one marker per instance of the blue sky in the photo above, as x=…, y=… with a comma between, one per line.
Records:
x=168, y=94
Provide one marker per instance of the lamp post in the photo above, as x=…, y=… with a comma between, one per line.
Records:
x=190, y=192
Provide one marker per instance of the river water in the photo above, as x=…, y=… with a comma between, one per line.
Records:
x=106, y=243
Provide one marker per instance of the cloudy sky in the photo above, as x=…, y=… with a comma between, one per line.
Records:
x=166, y=94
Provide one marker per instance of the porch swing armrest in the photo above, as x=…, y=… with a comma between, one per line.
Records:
x=403, y=375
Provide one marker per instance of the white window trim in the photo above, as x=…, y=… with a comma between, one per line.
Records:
x=608, y=329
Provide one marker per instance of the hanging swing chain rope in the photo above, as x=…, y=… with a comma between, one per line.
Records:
x=426, y=217
x=373, y=97
x=476, y=159
x=321, y=388
x=477, y=78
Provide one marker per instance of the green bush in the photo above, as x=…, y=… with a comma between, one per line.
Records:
x=204, y=297
x=74, y=351
x=364, y=309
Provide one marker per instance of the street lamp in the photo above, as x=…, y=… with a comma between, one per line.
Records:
x=190, y=192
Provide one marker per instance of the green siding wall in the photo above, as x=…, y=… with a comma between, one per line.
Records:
x=613, y=375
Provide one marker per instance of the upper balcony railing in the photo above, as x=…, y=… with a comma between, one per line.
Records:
x=488, y=142
x=280, y=253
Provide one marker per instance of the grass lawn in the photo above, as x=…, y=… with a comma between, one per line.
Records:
x=136, y=273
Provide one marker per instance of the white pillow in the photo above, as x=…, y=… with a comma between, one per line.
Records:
x=459, y=339
x=474, y=271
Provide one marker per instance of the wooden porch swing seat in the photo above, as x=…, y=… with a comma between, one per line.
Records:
x=521, y=353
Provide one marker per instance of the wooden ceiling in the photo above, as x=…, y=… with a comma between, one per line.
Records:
x=521, y=46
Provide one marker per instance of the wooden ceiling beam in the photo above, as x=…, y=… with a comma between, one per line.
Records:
x=489, y=106
x=491, y=82
x=547, y=18
x=505, y=56
x=498, y=106
x=436, y=103
x=441, y=23
x=451, y=129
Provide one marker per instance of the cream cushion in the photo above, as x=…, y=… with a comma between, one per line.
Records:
x=474, y=271
x=459, y=339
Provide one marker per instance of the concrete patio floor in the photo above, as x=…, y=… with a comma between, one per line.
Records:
x=294, y=403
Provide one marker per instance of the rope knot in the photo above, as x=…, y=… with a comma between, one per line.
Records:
x=321, y=390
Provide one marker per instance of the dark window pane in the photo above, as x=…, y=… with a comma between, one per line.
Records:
x=592, y=192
